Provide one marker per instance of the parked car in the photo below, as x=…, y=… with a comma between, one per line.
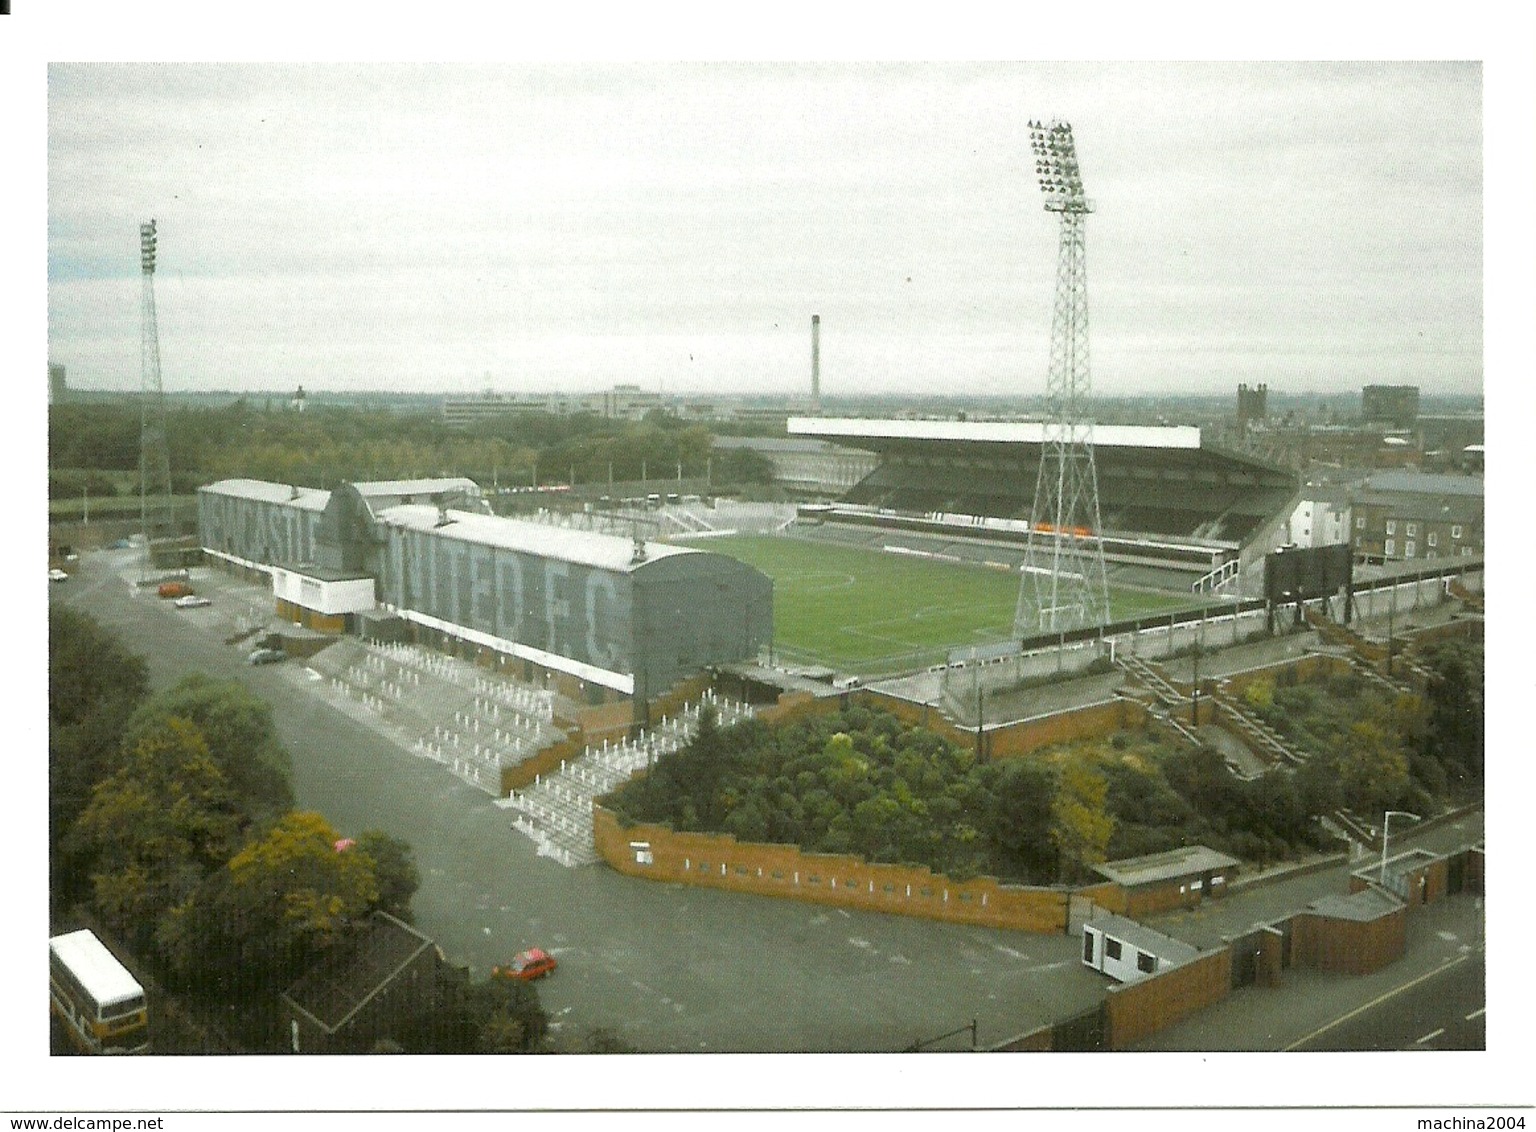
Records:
x=57, y=575
x=192, y=601
x=528, y=965
x=174, y=589
x=266, y=656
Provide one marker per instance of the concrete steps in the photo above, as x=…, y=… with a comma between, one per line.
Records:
x=556, y=811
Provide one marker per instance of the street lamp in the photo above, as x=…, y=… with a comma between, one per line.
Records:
x=1386, y=827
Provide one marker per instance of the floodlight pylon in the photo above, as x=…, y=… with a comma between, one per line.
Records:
x=156, y=517
x=1064, y=584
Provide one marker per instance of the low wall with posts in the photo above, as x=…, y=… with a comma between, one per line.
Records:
x=1025, y=736
x=657, y=852
x=1136, y=1010
x=1302, y=670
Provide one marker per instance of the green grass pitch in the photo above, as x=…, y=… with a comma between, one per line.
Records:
x=863, y=610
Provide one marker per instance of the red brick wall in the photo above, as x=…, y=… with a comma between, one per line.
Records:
x=1024, y=737
x=1135, y=1010
x=720, y=861
x=1347, y=947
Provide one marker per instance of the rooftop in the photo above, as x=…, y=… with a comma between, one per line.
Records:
x=995, y=432
x=378, y=488
x=304, y=498
x=343, y=982
x=1424, y=483
x=1366, y=905
x=1185, y=861
x=587, y=548
x=1171, y=951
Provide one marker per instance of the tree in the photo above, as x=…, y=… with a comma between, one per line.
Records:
x=394, y=871
x=292, y=893
x=94, y=685
x=240, y=735
x=156, y=828
x=1454, y=734
x=1018, y=821
x=1372, y=768
x=1080, y=826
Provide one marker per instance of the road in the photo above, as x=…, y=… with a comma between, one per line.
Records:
x=1441, y=1010
x=666, y=967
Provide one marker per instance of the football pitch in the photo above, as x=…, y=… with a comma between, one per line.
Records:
x=863, y=610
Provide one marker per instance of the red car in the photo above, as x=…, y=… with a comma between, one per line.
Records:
x=534, y=963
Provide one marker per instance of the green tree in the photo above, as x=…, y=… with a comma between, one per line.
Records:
x=1372, y=768
x=1018, y=821
x=394, y=871
x=291, y=894
x=1454, y=732
x=94, y=686
x=240, y=734
x=156, y=828
x=1081, y=827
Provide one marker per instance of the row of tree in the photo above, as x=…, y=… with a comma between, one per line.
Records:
x=332, y=444
x=1371, y=750
x=863, y=782
x=172, y=820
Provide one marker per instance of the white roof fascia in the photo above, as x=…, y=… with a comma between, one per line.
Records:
x=992, y=432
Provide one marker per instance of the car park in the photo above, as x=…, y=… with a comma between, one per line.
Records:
x=526, y=966
x=192, y=601
x=266, y=656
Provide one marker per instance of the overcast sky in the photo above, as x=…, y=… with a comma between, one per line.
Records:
x=560, y=227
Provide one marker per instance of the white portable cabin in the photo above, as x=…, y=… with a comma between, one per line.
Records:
x=1129, y=952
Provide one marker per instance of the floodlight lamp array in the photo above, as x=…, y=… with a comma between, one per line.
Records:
x=1056, y=166
x=147, y=242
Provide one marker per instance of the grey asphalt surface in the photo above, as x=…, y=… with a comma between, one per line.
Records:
x=1308, y=1006
x=1442, y=1010
x=667, y=968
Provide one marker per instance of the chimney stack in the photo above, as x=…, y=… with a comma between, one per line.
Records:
x=816, y=364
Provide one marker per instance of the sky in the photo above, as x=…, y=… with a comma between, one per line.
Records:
x=536, y=227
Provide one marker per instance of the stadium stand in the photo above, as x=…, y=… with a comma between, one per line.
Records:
x=1168, y=500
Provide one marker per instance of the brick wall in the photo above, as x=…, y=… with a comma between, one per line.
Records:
x=1022, y=738
x=720, y=861
x=1348, y=947
x=1135, y=1010
x=1316, y=666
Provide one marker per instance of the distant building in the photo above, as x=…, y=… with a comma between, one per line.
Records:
x=462, y=412
x=1393, y=405
x=1411, y=516
x=1321, y=518
x=58, y=388
x=1252, y=404
x=622, y=402
x=628, y=403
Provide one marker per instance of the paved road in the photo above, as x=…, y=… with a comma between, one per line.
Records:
x=1309, y=1004
x=1443, y=1009
x=669, y=968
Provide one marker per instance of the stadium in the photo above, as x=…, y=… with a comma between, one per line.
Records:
x=1189, y=514
x=912, y=565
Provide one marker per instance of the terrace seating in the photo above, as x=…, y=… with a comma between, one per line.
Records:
x=556, y=812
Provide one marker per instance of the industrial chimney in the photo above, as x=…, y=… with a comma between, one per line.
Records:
x=816, y=364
